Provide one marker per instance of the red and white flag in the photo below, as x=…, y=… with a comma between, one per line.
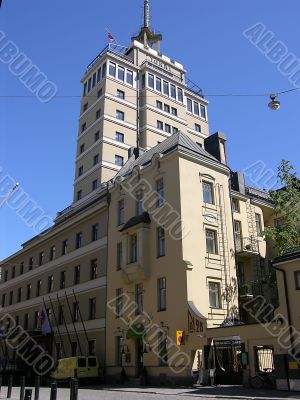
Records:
x=110, y=37
x=44, y=320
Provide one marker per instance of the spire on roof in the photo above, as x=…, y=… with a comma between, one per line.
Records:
x=146, y=35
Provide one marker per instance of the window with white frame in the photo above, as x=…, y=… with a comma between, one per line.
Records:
x=160, y=192
x=121, y=212
x=258, y=223
x=162, y=294
x=119, y=160
x=214, y=294
x=235, y=205
x=161, y=251
x=139, y=196
x=139, y=291
x=133, y=248
x=208, y=192
x=211, y=241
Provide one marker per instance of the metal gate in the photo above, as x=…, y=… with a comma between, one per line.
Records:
x=228, y=362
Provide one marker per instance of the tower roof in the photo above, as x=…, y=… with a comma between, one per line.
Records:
x=146, y=35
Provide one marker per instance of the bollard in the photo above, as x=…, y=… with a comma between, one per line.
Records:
x=22, y=387
x=53, y=393
x=9, y=386
x=75, y=389
x=0, y=383
x=37, y=387
x=28, y=394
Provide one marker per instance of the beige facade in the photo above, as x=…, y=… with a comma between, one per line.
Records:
x=162, y=241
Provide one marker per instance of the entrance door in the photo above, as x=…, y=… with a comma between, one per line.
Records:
x=228, y=362
x=139, y=356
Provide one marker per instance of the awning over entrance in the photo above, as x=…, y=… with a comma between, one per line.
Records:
x=135, y=331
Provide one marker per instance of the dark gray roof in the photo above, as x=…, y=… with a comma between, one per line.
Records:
x=178, y=140
x=138, y=219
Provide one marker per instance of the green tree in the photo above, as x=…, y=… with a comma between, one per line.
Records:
x=286, y=235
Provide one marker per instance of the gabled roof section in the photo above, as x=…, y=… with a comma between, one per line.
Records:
x=179, y=141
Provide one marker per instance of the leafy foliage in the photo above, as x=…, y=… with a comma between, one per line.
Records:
x=286, y=234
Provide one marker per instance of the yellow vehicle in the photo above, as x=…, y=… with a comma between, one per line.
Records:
x=76, y=367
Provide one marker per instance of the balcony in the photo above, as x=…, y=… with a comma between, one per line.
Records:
x=246, y=247
x=135, y=272
x=250, y=290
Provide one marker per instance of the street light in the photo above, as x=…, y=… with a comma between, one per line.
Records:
x=274, y=104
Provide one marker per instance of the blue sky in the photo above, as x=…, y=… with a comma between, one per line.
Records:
x=38, y=141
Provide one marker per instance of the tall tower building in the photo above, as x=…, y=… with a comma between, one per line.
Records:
x=132, y=97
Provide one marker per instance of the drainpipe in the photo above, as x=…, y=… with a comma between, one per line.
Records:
x=287, y=301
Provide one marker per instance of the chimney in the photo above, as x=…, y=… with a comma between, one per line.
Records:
x=238, y=182
x=216, y=146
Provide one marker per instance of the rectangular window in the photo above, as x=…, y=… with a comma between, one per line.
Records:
x=120, y=94
x=133, y=248
x=174, y=130
x=38, y=288
x=167, y=108
x=168, y=128
x=13, y=272
x=96, y=159
x=120, y=137
x=211, y=241
x=160, y=242
x=89, y=84
x=208, y=196
x=236, y=205
x=214, y=295
x=93, y=308
x=28, y=292
x=173, y=91
x=119, y=302
x=297, y=279
x=74, y=349
x=120, y=115
x=91, y=350
x=258, y=224
x=166, y=88
x=121, y=212
x=203, y=112
x=26, y=321
x=180, y=95
x=160, y=125
x=50, y=283
x=162, y=294
x=3, y=300
x=129, y=77
x=83, y=127
x=22, y=268
x=112, y=69
x=139, y=298
x=143, y=81
x=11, y=297
x=62, y=279
x=79, y=240
x=150, y=81
x=19, y=296
x=160, y=192
x=95, y=184
x=5, y=276
x=159, y=104
x=189, y=105
x=158, y=84
x=97, y=135
x=85, y=107
x=81, y=149
x=98, y=114
x=99, y=93
x=121, y=73
x=30, y=263
x=174, y=111
x=119, y=160
x=52, y=253
x=75, y=312
x=77, y=275
x=197, y=128
x=85, y=89
x=79, y=195
x=139, y=197
x=94, y=79
x=80, y=170
x=196, y=108
x=95, y=232
x=237, y=228
x=99, y=75
x=119, y=256
x=103, y=70
x=94, y=269
x=41, y=258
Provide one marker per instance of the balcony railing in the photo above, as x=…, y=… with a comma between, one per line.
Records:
x=246, y=245
x=251, y=289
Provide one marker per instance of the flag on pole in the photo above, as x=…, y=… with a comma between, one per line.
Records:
x=44, y=320
x=109, y=36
